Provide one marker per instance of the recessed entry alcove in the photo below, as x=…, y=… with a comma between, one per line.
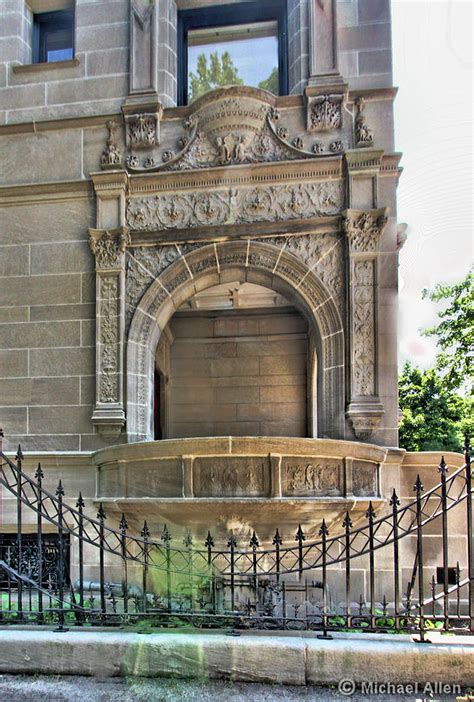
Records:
x=235, y=360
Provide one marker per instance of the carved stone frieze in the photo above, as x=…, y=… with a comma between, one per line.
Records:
x=111, y=155
x=363, y=328
x=324, y=112
x=260, y=204
x=108, y=246
x=109, y=339
x=363, y=229
x=363, y=135
x=230, y=477
x=364, y=479
x=321, y=477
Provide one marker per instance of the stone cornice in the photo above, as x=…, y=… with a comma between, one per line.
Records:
x=171, y=113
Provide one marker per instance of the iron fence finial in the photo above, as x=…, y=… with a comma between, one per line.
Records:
x=80, y=502
x=39, y=475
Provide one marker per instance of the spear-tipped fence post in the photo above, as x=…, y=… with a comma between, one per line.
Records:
x=394, y=504
x=277, y=542
x=232, y=543
x=2, y=436
x=101, y=517
x=371, y=515
x=60, y=495
x=188, y=543
x=323, y=533
x=418, y=487
x=443, y=469
x=347, y=524
x=166, y=538
x=145, y=534
x=39, y=475
x=209, y=544
x=19, y=527
x=470, y=531
x=254, y=543
x=123, y=526
x=80, y=508
x=300, y=537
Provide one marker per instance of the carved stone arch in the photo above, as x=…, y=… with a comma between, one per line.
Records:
x=246, y=261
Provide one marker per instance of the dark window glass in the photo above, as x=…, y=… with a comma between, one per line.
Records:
x=244, y=44
x=53, y=36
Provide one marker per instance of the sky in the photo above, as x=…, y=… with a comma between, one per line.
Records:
x=433, y=69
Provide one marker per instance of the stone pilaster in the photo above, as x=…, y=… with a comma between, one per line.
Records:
x=363, y=231
x=323, y=66
x=143, y=46
x=108, y=246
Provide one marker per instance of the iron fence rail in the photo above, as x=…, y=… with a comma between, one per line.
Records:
x=271, y=586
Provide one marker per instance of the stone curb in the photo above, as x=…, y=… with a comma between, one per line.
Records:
x=287, y=660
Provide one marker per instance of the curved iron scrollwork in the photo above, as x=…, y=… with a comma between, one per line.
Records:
x=296, y=586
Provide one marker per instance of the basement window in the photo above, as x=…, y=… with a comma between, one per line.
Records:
x=238, y=44
x=53, y=36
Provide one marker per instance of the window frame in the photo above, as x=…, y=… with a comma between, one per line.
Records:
x=63, y=20
x=234, y=14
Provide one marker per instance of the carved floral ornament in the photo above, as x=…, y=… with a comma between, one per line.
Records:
x=363, y=229
x=109, y=246
x=260, y=204
x=325, y=112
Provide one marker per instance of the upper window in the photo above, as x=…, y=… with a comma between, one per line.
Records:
x=53, y=36
x=243, y=44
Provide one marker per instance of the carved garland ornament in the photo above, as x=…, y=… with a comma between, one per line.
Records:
x=264, y=203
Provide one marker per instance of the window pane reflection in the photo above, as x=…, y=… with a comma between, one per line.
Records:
x=233, y=55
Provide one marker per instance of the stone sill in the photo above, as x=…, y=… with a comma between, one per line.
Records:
x=38, y=67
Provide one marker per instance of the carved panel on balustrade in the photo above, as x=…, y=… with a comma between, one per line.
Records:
x=364, y=479
x=231, y=477
x=318, y=477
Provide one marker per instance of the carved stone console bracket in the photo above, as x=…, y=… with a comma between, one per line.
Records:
x=363, y=231
x=108, y=246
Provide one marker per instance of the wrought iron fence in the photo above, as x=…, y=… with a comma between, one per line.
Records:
x=107, y=576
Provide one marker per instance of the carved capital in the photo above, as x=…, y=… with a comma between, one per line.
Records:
x=109, y=246
x=363, y=229
x=143, y=128
x=324, y=112
x=365, y=419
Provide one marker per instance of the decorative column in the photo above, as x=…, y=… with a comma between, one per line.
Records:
x=109, y=249
x=108, y=242
x=363, y=231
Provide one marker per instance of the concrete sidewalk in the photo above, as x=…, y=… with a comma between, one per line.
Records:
x=283, y=659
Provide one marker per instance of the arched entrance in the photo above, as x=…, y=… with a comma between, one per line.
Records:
x=243, y=262
x=234, y=360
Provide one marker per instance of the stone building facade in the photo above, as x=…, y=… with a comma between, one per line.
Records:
x=225, y=268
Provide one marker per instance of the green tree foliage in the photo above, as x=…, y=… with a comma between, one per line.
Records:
x=434, y=418
x=455, y=332
x=438, y=404
x=272, y=83
x=218, y=73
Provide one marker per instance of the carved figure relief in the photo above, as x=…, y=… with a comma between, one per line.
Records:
x=363, y=135
x=264, y=203
x=109, y=338
x=324, y=112
x=323, y=477
x=111, y=155
x=230, y=477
